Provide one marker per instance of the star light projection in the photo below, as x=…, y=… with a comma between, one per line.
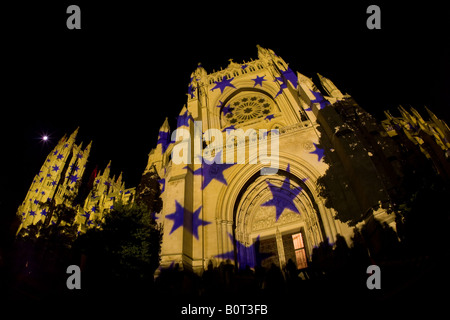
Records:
x=285, y=76
x=290, y=76
x=320, y=100
x=164, y=140
x=223, y=84
x=227, y=110
x=162, y=184
x=212, y=171
x=259, y=81
x=73, y=178
x=183, y=217
x=191, y=89
x=283, y=197
x=246, y=256
x=283, y=85
x=183, y=120
x=318, y=151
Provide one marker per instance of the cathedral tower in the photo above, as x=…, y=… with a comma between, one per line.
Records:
x=56, y=182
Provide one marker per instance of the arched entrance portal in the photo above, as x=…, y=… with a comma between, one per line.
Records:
x=273, y=219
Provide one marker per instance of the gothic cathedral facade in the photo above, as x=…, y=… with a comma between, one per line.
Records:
x=232, y=211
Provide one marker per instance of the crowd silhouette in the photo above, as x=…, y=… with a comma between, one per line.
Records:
x=336, y=275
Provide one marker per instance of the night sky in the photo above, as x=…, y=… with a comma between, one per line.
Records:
x=129, y=67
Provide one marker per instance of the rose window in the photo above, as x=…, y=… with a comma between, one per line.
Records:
x=247, y=107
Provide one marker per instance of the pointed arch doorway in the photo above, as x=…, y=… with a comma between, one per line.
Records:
x=275, y=219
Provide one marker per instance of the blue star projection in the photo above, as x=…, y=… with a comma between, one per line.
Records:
x=287, y=75
x=227, y=110
x=269, y=117
x=259, y=81
x=191, y=88
x=232, y=127
x=290, y=76
x=182, y=217
x=73, y=178
x=318, y=151
x=283, y=85
x=183, y=120
x=246, y=256
x=283, y=197
x=320, y=100
x=87, y=215
x=153, y=215
x=212, y=171
x=164, y=140
x=220, y=105
x=162, y=183
x=223, y=84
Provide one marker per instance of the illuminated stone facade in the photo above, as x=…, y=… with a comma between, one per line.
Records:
x=219, y=212
x=240, y=208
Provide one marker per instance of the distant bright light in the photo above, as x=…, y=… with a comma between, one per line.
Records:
x=44, y=138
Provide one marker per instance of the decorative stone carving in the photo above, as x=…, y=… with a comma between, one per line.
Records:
x=308, y=145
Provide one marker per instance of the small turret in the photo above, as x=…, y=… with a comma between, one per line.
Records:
x=264, y=53
x=330, y=88
x=306, y=83
x=163, y=137
x=199, y=73
x=184, y=117
x=73, y=136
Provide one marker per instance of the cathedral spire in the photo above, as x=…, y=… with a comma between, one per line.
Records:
x=441, y=125
x=88, y=148
x=184, y=117
x=108, y=167
x=431, y=114
x=164, y=136
x=388, y=115
x=305, y=81
x=200, y=72
x=329, y=87
x=74, y=134
x=165, y=126
x=407, y=116
x=119, y=179
x=419, y=118
x=264, y=53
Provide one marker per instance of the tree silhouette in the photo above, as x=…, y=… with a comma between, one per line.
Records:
x=124, y=251
x=352, y=184
x=148, y=191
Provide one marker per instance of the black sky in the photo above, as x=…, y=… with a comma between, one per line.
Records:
x=129, y=66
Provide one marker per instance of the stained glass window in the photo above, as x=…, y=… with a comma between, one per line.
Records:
x=300, y=253
x=248, y=107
